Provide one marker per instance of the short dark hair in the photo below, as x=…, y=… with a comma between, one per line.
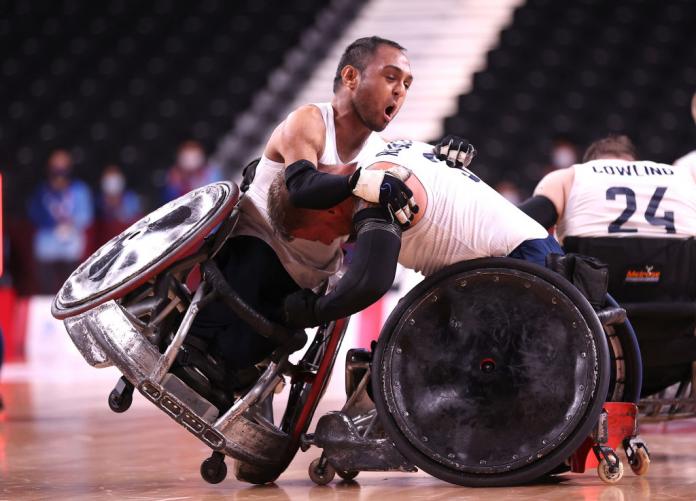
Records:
x=610, y=146
x=359, y=53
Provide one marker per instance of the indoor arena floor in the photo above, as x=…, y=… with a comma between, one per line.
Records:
x=59, y=440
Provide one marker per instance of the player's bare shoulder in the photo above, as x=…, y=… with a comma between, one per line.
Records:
x=306, y=121
x=302, y=131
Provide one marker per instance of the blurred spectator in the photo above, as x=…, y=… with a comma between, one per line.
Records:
x=117, y=206
x=190, y=171
x=510, y=191
x=564, y=153
x=690, y=158
x=61, y=210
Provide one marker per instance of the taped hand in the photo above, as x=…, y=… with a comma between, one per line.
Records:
x=387, y=188
x=454, y=150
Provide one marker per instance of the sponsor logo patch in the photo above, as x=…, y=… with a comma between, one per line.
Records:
x=647, y=275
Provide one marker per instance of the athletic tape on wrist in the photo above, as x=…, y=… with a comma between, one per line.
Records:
x=368, y=185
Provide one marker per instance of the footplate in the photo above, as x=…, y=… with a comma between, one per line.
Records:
x=346, y=450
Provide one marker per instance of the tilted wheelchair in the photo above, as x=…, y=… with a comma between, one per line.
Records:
x=490, y=372
x=654, y=279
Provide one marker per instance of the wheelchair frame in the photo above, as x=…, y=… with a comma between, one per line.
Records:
x=126, y=332
x=679, y=400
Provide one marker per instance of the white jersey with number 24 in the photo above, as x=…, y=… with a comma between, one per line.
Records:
x=621, y=198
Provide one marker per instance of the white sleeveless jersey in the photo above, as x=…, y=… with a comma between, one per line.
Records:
x=309, y=263
x=621, y=198
x=464, y=219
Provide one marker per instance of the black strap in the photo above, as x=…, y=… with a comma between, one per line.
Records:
x=541, y=209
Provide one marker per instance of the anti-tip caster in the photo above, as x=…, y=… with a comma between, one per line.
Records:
x=214, y=469
x=121, y=397
x=321, y=472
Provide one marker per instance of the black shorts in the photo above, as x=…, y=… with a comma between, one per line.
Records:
x=254, y=271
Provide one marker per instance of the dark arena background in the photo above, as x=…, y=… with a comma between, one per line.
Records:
x=133, y=103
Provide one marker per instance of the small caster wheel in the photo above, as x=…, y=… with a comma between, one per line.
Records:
x=608, y=474
x=121, y=397
x=641, y=463
x=214, y=469
x=321, y=475
x=347, y=475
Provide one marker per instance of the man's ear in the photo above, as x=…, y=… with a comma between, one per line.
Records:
x=350, y=76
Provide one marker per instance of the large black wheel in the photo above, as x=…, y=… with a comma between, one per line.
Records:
x=491, y=372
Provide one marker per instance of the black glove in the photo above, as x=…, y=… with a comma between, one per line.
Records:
x=454, y=150
x=298, y=309
x=395, y=196
x=387, y=189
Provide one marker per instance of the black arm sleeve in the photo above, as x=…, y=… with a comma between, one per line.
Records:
x=371, y=273
x=310, y=189
x=541, y=209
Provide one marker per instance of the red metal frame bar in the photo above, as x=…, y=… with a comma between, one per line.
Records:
x=319, y=381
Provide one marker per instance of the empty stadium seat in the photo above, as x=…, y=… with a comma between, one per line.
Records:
x=582, y=69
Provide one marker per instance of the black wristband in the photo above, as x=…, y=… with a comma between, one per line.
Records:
x=541, y=209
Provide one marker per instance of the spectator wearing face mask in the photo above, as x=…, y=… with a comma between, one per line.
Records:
x=190, y=171
x=117, y=206
x=564, y=153
x=509, y=190
x=61, y=211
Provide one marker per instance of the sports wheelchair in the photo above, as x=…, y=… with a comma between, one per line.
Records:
x=491, y=372
x=653, y=279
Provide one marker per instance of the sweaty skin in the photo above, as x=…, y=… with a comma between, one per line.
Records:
x=360, y=107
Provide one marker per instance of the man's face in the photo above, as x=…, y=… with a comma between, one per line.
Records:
x=326, y=225
x=191, y=159
x=382, y=87
x=59, y=168
x=329, y=224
